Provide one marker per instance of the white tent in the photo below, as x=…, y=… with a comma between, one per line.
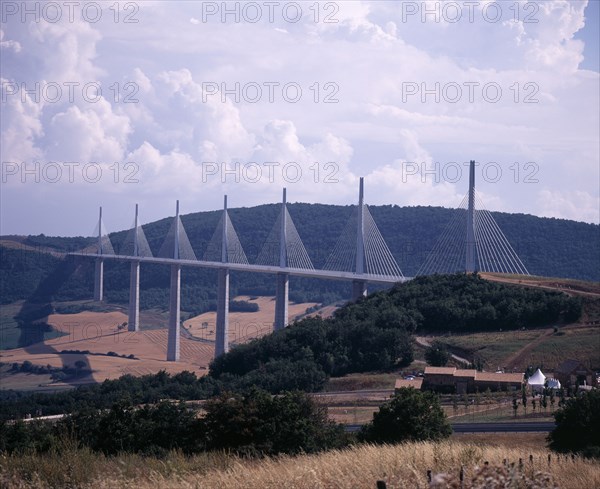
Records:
x=553, y=384
x=537, y=381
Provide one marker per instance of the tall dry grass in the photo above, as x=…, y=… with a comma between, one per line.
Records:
x=358, y=467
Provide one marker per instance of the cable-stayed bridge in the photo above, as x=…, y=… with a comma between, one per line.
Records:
x=360, y=256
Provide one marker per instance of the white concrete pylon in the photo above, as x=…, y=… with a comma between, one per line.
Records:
x=173, y=339
x=222, y=326
x=282, y=285
x=133, y=319
x=359, y=287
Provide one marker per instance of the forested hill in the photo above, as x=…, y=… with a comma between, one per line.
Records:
x=547, y=246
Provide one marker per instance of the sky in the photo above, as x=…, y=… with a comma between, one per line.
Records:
x=116, y=103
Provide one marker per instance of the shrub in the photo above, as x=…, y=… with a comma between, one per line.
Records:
x=258, y=423
x=578, y=425
x=437, y=354
x=410, y=415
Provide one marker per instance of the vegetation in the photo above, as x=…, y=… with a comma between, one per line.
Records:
x=410, y=415
x=258, y=423
x=437, y=355
x=151, y=429
x=253, y=424
x=242, y=306
x=548, y=349
x=148, y=389
x=578, y=425
x=57, y=373
x=404, y=465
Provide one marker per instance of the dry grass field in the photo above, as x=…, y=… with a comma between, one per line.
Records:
x=100, y=333
x=103, y=332
x=359, y=467
x=570, y=286
x=243, y=326
x=519, y=349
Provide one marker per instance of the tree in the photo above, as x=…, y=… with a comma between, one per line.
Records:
x=515, y=406
x=455, y=403
x=578, y=425
x=259, y=423
x=544, y=401
x=437, y=354
x=410, y=415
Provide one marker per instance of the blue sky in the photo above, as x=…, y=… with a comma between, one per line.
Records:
x=590, y=35
x=148, y=102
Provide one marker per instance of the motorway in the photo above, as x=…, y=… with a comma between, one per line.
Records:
x=525, y=427
x=244, y=267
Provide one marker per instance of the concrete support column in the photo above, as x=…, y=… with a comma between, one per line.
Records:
x=359, y=289
x=99, y=280
x=133, y=322
x=470, y=242
x=222, y=329
x=281, y=301
x=174, y=314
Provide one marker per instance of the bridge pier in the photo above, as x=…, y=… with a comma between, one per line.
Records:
x=359, y=289
x=99, y=280
x=222, y=329
x=174, y=314
x=470, y=241
x=133, y=321
x=281, y=301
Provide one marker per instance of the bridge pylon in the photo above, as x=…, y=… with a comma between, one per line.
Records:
x=470, y=243
x=283, y=249
x=222, y=327
x=479, y=246
x=283, y=278
x=173, y=338
x=359, y=286
x=133, y=319
x=104, y=247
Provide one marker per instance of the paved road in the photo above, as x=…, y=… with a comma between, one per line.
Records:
x=525, y=427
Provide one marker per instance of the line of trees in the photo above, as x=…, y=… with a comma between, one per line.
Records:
x=252, y=424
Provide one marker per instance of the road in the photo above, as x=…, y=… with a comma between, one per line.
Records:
x=423, y=341
x=359, y=393
x=525, y=427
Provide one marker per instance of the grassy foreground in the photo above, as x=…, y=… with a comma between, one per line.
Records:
x=359, y=467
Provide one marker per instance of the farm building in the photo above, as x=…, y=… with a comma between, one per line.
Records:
x=451, y=379
x=573, y=373
x=416, y=383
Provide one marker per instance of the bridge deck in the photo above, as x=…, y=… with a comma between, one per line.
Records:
x=298, y=272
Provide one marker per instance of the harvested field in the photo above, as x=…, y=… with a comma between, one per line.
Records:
x=102, y=333
x=243, y=326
